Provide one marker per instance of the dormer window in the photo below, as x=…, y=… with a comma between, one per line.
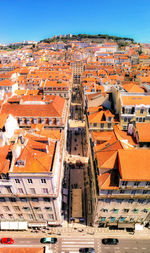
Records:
x=20, y=163
x=141, y=111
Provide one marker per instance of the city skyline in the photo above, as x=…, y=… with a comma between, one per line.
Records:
x=39, y=20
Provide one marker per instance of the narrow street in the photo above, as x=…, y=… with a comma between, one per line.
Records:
x=76, y=166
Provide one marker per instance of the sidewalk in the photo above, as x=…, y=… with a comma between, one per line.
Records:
x=77, y=230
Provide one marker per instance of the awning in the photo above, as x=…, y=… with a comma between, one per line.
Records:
x=138, y=227
x=76, y=203
x=37, y=224
x=13, y=225
x=65, y=200
x=65, y=191
x=126, y=225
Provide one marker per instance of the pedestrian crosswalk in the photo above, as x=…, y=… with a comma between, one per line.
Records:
x=72, y=245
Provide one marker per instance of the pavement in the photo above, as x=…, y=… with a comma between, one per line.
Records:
x=74, y=229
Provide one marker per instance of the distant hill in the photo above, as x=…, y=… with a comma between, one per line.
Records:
x=88, y=37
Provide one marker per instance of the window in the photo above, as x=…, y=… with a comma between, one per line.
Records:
x=26, y=208
x=105, y=210
x=102, y=218
x=122, y=219
x=136, y=183
x=23, y=199
x=20, y=216
x=6, y=208
x=1, y=216
x=145, y=210
x=133, y=192
x=17, y=181
x=126, y=210
x=16, y=208
x=20, y=190
x=46, y=199
x=124, y=183
x=125, y=119
x=45, y=190
x=34, y=199
x=37, y=208
x=9, y=189
x=32, y=191
x=145, y=192
x=147, y=184
x=95, y=124
x=141, y=111
x=109, y=125
x=112, y=219
x=48, y=208
x=119, y=201
x=30, y=216
x=109, y=118
x=140, y=119
x=2, y=200
x=40, y=216
x=107, y=200
x=30, y=181
x=141, y=201
x=12, y=199
x=11, y=216
x=109, y=191
x=43, y=181
x=122, y=191
x=130, y=201
x=115, y=210
x=102, y=125
x=51, y=216
x=135, y=210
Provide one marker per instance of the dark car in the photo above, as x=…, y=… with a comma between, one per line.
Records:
x=87, y=250
x=110, y=241
x=49, y=240
x=130, y=230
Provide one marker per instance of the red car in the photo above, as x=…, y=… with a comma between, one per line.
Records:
x=7, y=241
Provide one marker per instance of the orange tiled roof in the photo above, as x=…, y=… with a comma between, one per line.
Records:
x=135, y=100
x=3, y=118
x=133, y=88
x=4, y=163
x=53, y=109
x=106, y=181
x=143, y=130
x=6, y=82
x=22, y=250
x=134, y=164
x=36, y=158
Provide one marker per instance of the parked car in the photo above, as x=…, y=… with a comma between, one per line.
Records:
x=79, y=163
x=88, y=250
x=130, y=231
x=49, y=240
x=7, y=241
x=110, y=241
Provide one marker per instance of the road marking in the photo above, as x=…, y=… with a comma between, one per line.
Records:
x=78, y=243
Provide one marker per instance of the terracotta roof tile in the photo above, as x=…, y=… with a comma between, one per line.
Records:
x=143, y=130
x=134, y=164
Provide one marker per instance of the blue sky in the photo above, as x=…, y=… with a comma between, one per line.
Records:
x=39, y=19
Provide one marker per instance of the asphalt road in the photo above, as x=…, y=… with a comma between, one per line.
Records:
x=68, y=244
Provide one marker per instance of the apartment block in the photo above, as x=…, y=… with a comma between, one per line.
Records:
x=31, y=176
